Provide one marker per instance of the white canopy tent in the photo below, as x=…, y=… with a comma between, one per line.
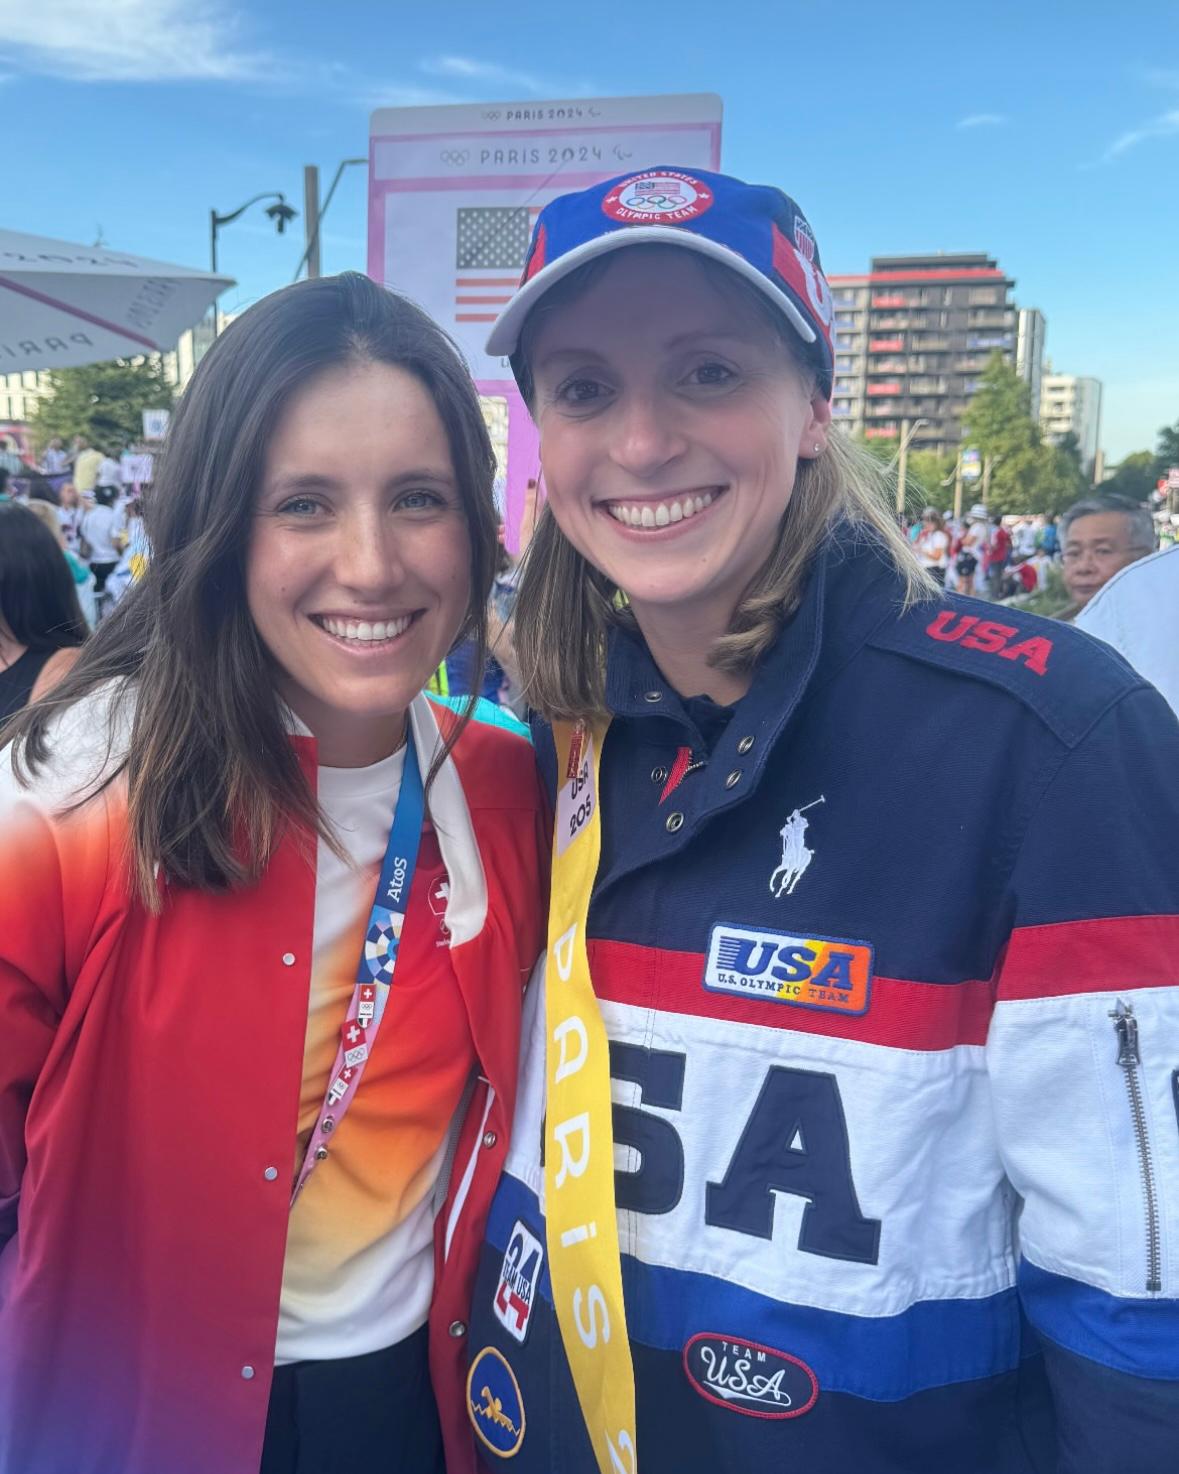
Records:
x=63, y=304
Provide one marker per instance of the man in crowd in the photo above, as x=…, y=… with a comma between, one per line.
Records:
x=9, y=460
x=87, y=461
x=56, y=461
x=1102, y=534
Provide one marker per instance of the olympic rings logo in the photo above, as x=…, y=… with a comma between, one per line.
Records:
x=456, y=156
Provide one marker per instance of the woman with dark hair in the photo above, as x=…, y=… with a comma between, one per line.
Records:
x=846, y=1140
x=265, y=914
x=41, y=621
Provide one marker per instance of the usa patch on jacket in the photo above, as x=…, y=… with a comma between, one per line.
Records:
x=749, y=1378
x=519, y=1277
x=828, y=973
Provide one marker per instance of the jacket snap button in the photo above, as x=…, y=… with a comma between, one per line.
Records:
x=489, y=1138
x=247, y=1373
x=270, y=1174
x=674, y=822
x=733, y=779
x=652, y=696
x=457, y=1328
x=321, y=1153
x=658, y=775
x=745, y=744
x=328, y=1124
x=288, y=959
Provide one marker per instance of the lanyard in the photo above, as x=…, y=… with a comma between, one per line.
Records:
x=582, y=1222
x=378, y=961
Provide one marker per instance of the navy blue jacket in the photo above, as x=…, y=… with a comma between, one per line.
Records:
x=886, y=954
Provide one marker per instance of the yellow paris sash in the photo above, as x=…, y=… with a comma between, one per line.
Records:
x=582, y=1226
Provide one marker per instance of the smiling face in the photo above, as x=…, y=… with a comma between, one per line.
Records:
x=672, y=419
x=358, y=571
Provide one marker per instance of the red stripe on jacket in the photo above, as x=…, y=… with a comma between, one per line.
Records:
x=901, y=1014
x=1096, y=956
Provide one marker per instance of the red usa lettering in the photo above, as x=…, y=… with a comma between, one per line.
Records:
x=992, y=638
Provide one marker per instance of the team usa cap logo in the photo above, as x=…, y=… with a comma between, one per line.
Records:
x=664, y=197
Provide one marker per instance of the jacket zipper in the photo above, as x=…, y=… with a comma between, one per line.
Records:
x=1130, y=1058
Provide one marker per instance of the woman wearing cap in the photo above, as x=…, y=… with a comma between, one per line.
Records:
x=876, y=1132
x=265, y=917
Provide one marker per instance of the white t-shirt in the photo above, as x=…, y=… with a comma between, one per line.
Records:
x=359, y=1270
x=99, y=525
x=933, y=549
x=110, y=472
x=1137, y=612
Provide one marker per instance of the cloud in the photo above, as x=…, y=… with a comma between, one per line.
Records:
x=129, y=41
x=1165, y=125
x=468, y=69
x=397, y=94
x=981, y=120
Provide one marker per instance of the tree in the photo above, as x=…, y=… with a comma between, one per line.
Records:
x=103, y=401
x=1028, y=475
x=926, y=473
x=1135, y=477
x=1168, y=449
x=1070, y=445
x=997, y=421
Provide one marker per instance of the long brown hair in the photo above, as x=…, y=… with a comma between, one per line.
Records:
x=566, y=606
x=212, y=776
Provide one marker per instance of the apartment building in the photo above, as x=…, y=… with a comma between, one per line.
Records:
x=1072, y=405
x=19, y=393
x=1030, y=333
x=912, y=338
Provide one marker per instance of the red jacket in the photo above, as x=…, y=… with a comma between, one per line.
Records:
x=149, y=1075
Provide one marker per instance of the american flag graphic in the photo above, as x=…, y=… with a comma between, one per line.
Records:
x=492, y=244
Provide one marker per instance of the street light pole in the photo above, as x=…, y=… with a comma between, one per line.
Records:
x=280, y=212
x=311, y=218
x=989, y=464
x=907, y=434
x=311, y=254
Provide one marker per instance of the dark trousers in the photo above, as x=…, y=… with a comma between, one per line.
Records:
x=101, y=572
x=371, y=1414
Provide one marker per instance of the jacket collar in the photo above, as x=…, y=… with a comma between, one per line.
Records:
x=850, y=590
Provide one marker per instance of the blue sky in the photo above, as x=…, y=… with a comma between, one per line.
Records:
x=1049, y=138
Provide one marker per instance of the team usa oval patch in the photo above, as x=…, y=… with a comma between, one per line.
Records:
x=748, y=1378
x=495, y=1405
